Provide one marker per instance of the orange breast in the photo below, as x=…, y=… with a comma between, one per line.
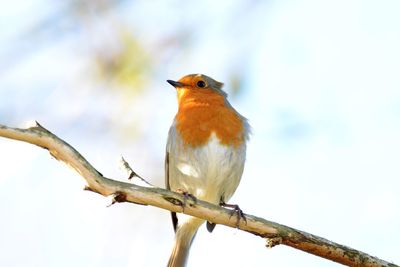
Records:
x=203, y=113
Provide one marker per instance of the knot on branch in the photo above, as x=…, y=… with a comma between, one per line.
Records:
x=174, y=201
x=118, y=197
x=273, y=241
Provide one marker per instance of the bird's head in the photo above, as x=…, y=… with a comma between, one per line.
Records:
x=198, y=82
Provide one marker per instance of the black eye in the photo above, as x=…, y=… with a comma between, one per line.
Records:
x=201, y=84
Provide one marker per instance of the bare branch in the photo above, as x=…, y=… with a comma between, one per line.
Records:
x=125, y=192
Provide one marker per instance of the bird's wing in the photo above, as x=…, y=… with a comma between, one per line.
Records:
x=173, y=214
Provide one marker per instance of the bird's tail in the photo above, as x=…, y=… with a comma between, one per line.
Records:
x=183, y=239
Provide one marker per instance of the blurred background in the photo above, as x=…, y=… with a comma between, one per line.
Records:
x=319, y=82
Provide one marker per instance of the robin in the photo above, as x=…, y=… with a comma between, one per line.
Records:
x=205, y=155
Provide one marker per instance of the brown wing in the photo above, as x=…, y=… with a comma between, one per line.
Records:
x=173, y=214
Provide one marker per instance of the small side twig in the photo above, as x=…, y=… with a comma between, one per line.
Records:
x=131, y=172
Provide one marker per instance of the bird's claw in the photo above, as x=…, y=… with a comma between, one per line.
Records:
x=186, y=196
x=235, y=210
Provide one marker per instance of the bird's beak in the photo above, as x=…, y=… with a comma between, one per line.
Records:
x=175, y=84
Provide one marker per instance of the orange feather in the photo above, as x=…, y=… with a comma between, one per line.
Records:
x=203, y=112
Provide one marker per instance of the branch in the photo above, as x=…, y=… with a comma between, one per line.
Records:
x=126, y=192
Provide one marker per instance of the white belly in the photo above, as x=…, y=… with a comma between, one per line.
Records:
x=211, y=172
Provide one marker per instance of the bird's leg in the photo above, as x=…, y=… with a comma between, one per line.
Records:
x=186, y=196
x=235, y=209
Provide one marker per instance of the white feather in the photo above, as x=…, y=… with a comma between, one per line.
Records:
x=211, y=172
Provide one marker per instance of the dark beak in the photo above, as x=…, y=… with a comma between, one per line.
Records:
x=175, y=84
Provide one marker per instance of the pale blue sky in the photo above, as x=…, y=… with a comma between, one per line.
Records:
x=319, y=83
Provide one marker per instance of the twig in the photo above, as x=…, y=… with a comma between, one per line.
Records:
x=131, y=172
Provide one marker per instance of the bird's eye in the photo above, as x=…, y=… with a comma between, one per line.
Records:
x=201, y=84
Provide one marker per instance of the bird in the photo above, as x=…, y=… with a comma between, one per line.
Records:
x=205, y=153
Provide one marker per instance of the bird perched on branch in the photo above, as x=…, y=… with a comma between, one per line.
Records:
x=206, y=151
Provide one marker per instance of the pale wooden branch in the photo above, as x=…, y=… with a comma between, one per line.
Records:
x=126, y=192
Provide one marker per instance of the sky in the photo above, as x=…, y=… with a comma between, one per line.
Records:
x=318, y=81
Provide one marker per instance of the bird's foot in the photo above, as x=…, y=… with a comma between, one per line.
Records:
x=186, y=196
x=235, y=210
